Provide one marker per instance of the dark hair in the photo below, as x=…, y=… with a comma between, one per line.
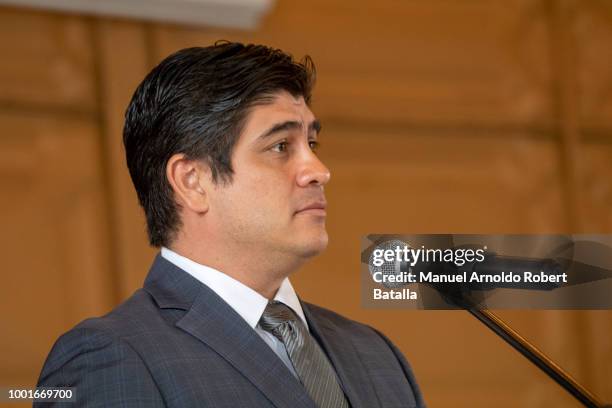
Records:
x=195, y=102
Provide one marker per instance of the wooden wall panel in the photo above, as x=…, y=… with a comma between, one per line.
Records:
x=439, y=63
x=55, y=258
x=46, y=60
x=592, y=27
x=599, y=346
x=597, y=187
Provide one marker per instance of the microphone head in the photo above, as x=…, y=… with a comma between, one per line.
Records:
x=388, y=268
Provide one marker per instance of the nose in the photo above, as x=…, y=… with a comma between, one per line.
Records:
x=312, y=171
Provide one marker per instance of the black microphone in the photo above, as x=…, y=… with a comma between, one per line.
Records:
x=389, y=271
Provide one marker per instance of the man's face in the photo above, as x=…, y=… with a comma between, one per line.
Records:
x=275, y=202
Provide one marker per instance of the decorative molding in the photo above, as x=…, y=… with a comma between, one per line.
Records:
x=245, y=14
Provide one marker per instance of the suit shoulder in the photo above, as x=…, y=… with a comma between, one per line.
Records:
x=97, y=358
x=100, y=333
x=125, y=317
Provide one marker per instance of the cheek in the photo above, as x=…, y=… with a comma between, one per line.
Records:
x=262, y=193
x=271, y=187
x=258, y=198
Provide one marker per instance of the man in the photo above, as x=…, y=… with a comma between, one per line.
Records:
x=220, y=143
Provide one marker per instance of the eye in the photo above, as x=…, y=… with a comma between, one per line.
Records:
x=314, y=145
x=280, y=147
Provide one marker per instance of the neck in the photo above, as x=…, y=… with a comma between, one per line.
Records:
x=264, y=273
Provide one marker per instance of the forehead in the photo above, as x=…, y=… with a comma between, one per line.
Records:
x=282, y=107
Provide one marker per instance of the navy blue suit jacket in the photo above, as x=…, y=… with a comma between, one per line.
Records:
x=176, y=343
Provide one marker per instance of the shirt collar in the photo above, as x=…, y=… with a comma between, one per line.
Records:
x=248, y=303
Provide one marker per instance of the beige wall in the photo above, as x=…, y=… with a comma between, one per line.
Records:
x=439, y=116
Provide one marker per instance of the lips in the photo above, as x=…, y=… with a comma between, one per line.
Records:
x=315, y=207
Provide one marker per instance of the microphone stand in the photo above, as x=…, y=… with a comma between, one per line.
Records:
x=510, y=336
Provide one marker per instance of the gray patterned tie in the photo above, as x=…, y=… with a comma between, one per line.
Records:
x=309, y=361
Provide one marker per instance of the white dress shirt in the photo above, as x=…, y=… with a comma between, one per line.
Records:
x=248, y=303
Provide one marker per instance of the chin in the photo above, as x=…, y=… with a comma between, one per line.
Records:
x=315, y=246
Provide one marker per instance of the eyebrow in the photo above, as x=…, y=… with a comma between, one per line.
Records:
x=314, y=126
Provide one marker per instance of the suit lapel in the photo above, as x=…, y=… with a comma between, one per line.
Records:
x=215, y=323
x=344, y=357
x=212, y=321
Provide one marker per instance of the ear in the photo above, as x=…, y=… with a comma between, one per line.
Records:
x=189, y=180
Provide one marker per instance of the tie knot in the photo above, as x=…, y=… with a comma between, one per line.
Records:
x=276, y=313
